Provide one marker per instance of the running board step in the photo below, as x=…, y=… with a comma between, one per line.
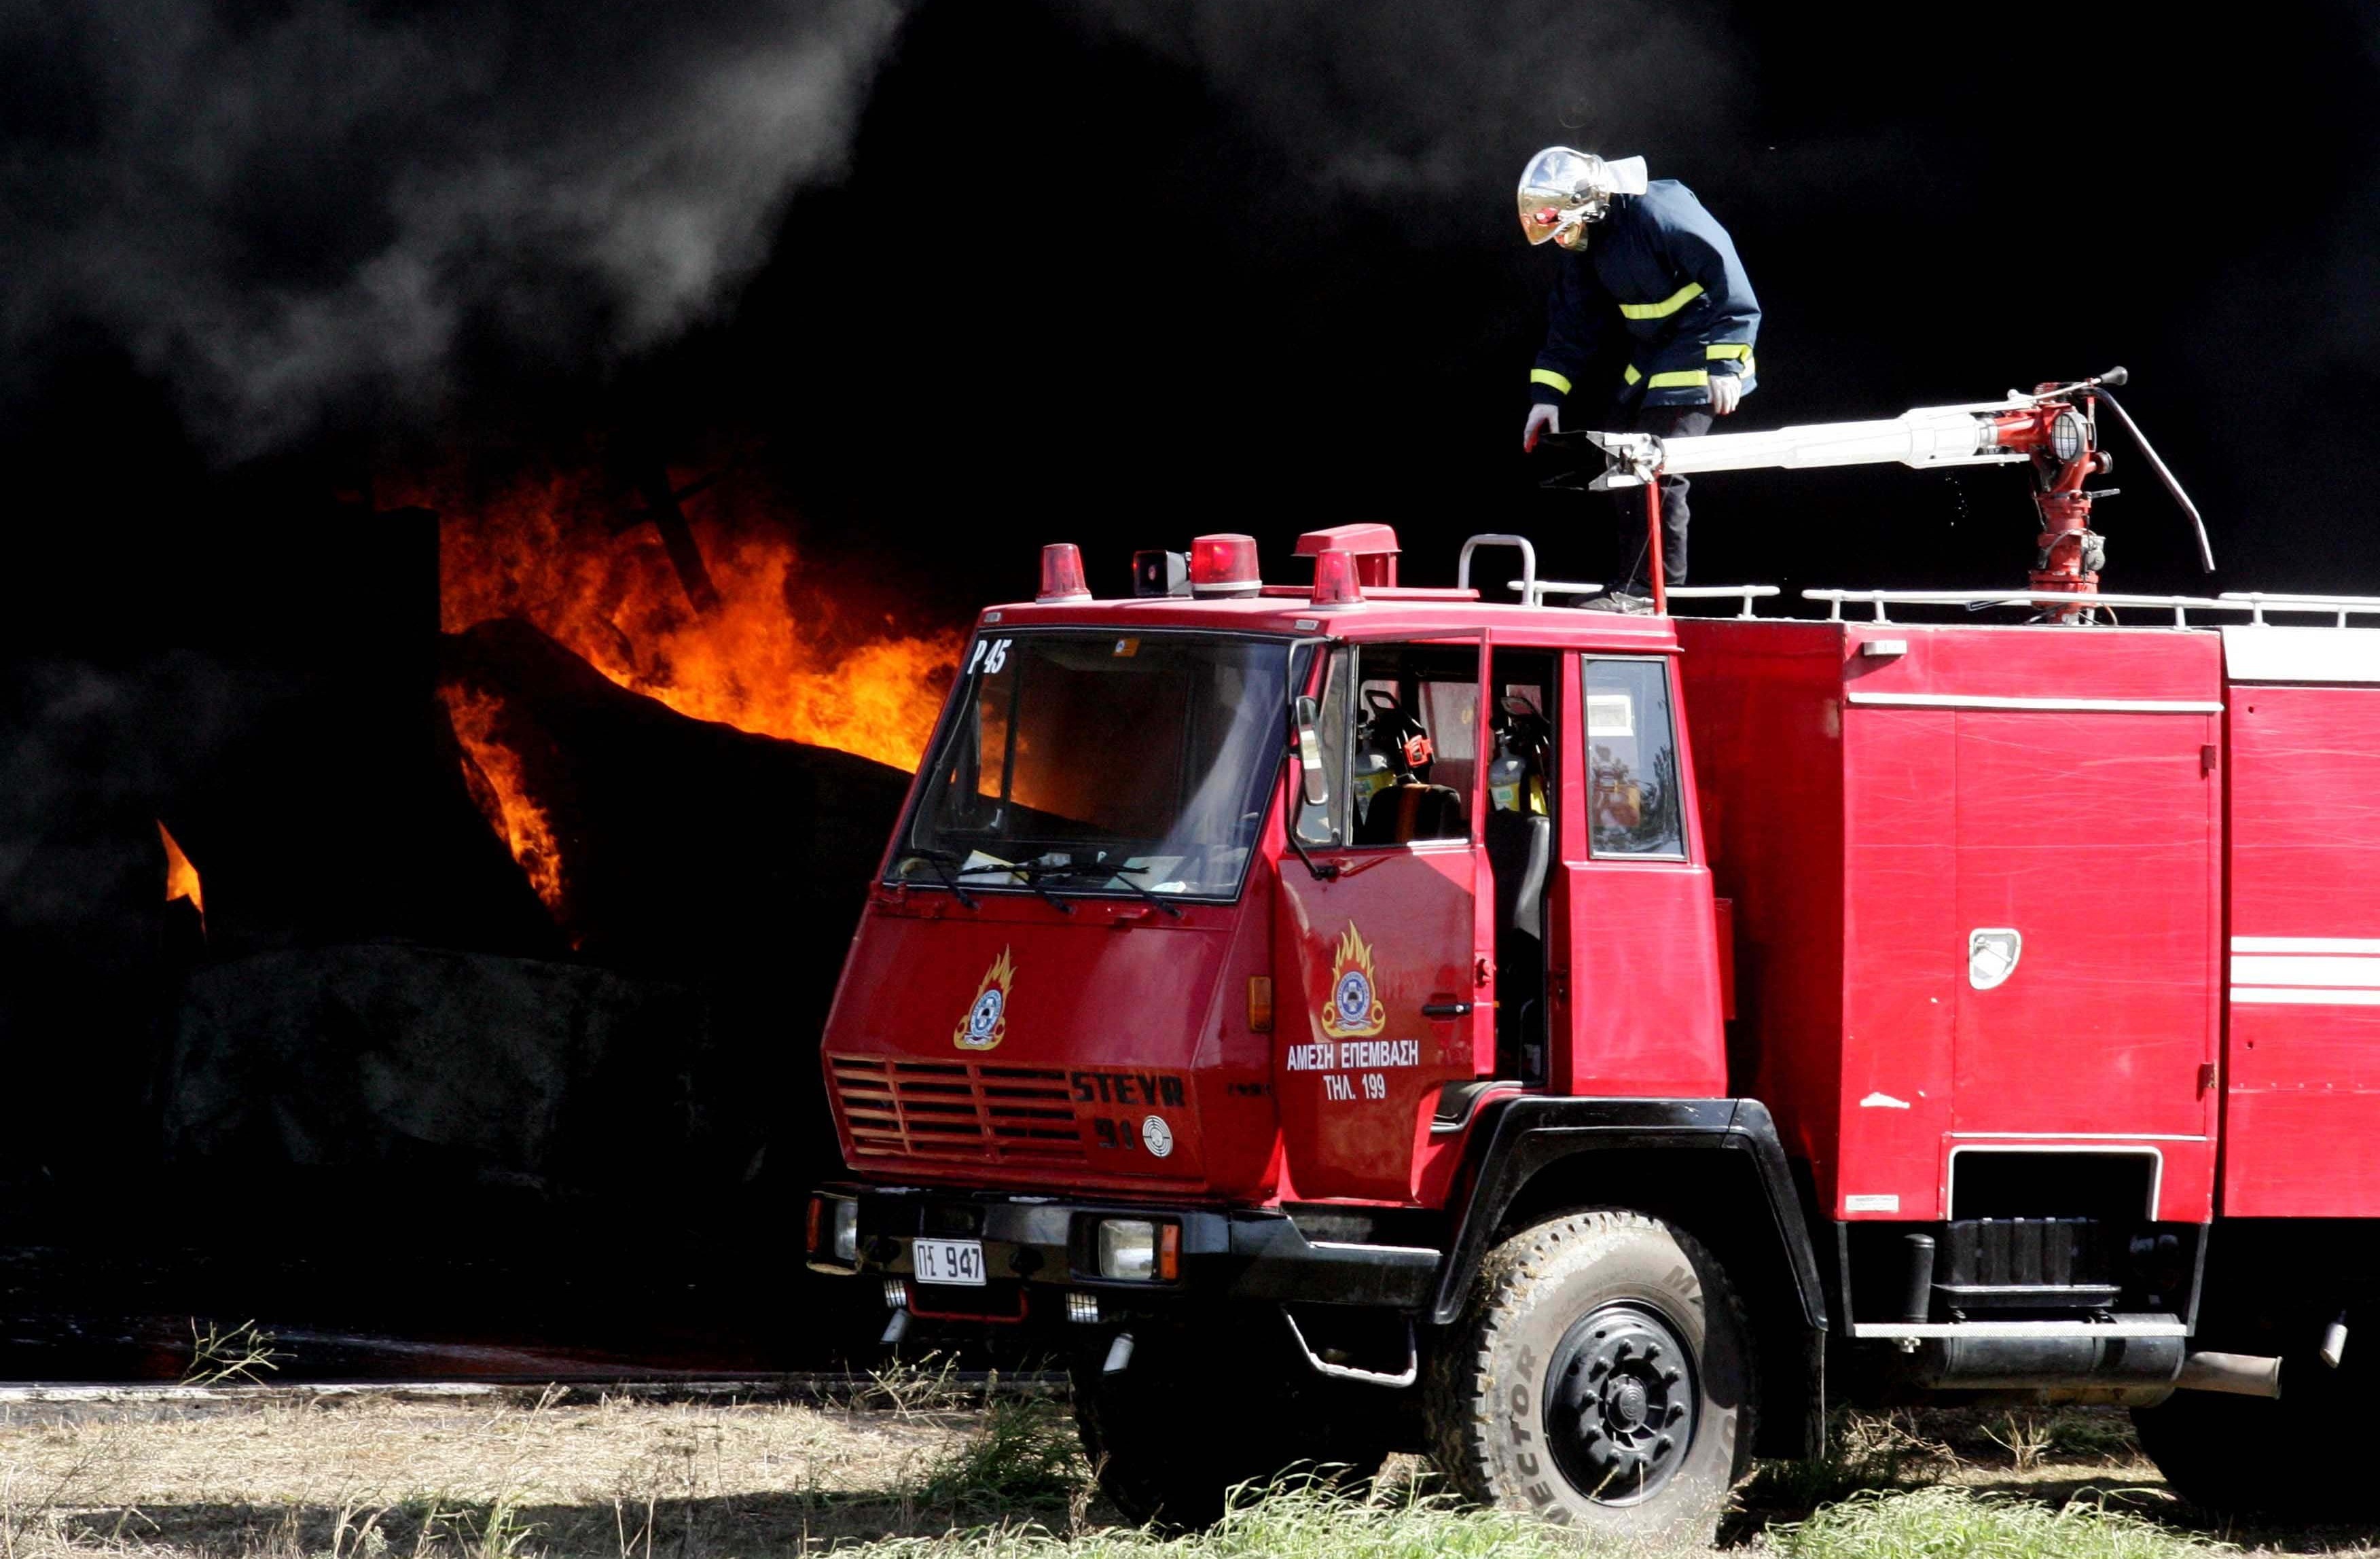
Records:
x=1396, y=1380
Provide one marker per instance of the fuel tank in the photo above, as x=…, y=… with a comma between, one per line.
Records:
x=1112, y=1046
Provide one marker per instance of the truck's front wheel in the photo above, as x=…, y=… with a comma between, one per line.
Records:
x=1600, y=1376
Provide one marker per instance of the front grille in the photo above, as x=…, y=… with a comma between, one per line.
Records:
x=956, y=1110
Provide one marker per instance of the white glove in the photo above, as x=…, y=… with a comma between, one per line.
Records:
x=1726, y=390
x=1543, y=419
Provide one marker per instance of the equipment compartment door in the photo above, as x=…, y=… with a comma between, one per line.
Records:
x=2304, y=1068
x=2087, y=924
x=1384, y=985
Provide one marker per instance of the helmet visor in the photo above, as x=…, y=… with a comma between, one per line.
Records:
x=1561, y=189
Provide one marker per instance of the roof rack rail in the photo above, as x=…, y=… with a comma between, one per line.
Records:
x=2342, y=606
x=1746, y=593
x=2179, y=605
x=1544, y=588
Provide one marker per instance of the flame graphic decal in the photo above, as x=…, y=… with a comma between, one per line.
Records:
x=985, y=1023
x=1353, y=1010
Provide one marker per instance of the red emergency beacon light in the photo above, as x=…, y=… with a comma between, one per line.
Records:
x=1372, y=545
x=1334, y=578
x=1224, y=565
x=1061, y=574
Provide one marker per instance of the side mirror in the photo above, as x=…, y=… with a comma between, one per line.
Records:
x=1309, y=754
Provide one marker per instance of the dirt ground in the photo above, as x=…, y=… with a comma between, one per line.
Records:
x=298, y=1477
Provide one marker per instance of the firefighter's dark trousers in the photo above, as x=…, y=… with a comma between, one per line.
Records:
x=1635, y=536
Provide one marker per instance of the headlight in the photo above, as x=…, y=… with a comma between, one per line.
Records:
x=1137, y=1250
x=846, y=1232
x=1127, y=1250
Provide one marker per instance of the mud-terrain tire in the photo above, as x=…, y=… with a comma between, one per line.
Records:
x=1549, y=1396
x=1202, y=1410
x=2307, y=1454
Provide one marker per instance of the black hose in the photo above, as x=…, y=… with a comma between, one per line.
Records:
x=2205, y=549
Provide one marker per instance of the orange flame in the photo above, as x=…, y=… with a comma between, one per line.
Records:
x=775, y=653
x=181, y=877
x=780, y=655
x=492, y=774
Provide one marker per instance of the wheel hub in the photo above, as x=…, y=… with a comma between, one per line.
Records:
x=1619, y=1403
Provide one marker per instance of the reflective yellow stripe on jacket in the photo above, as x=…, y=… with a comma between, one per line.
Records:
x=1732, y=351
x=1671, y=381
x=1665, y=307
x=1548, y=376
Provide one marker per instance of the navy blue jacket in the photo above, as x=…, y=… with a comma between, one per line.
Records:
x=1662, y=272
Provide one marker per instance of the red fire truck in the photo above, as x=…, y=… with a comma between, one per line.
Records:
x=1585, y=1046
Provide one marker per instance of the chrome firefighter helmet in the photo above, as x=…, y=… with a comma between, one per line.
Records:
x=1386, y=730
x=1563, y=191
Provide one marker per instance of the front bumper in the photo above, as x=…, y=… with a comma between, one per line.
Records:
x=1040, y=1246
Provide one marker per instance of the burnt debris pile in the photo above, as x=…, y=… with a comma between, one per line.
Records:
x=410, y=930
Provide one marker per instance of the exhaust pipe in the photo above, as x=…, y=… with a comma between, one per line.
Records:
x=2239, y=1374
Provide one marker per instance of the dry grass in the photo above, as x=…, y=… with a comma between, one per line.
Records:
x=910, y=1468
x=615, y=1478
x=294, y=1452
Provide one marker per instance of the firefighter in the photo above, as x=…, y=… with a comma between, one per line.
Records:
x=1660, y=289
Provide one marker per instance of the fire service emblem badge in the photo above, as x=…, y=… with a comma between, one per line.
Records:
x=1353, y=1011
x=985, y=1023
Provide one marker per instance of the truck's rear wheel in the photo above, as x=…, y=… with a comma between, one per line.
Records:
x=1601, y=1376
x=2317, y=1441
x=1202, y=1410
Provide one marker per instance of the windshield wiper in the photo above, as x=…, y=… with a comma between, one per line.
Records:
x=1031, y=871
x=943, y=862
x=1125, y=874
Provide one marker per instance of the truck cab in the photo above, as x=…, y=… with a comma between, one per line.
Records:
x=1224, y=923
x=1130, y=932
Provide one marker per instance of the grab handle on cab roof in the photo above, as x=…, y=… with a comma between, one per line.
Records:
x=1498, y=539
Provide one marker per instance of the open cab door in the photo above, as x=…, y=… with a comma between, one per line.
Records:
x=1386, y=950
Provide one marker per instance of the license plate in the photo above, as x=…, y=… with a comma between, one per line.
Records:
x=948, y=1260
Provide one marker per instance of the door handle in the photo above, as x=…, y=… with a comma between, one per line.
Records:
x=1446, y=1009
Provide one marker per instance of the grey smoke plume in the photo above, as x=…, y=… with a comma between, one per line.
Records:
x=282, y=205
x=1448, y=99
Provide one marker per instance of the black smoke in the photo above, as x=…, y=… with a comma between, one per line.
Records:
x=962, y=276
x=1407, y=108
x=1086, y=261
x=282, y=210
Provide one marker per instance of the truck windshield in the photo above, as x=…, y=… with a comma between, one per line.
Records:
x=1093, y=762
